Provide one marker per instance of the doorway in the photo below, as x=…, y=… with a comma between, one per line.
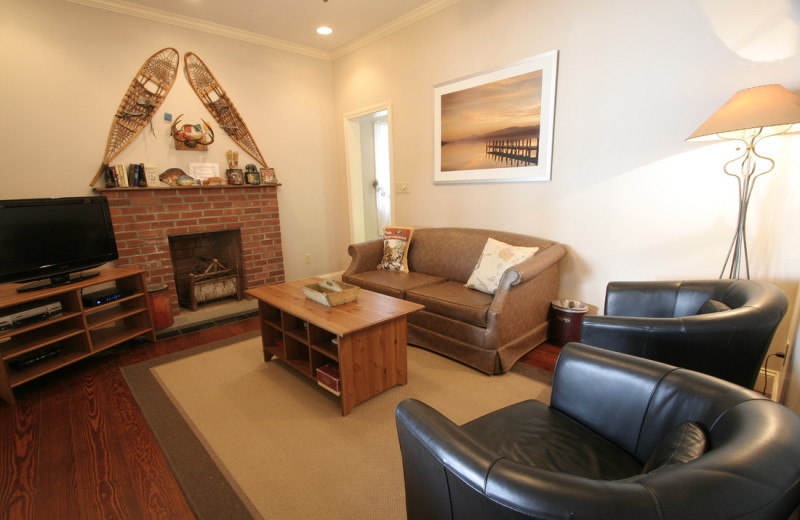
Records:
x=369, y=172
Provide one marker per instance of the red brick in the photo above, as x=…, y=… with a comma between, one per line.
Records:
x=143, y=219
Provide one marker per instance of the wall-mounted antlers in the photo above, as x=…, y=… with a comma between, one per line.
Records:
x=189, y=137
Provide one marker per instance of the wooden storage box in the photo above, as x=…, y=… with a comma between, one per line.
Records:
x=329, y=379
x=331, y=293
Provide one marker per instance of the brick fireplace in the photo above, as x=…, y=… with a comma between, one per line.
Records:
x=144, y=218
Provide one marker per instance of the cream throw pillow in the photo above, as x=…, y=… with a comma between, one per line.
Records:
x=495, y=259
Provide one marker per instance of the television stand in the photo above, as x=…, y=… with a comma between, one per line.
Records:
x=32, y=349
x=58, y=280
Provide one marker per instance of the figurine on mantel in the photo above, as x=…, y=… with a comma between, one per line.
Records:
x=234, y=173
x=268, y=176
x=251, y=174
x=177, y=177
x=233, y=159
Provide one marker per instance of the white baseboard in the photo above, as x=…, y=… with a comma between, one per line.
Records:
x=773, y=378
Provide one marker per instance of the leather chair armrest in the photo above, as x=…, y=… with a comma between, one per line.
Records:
x=536, y=493
x=617, y=333
x=652, y=299
x=431, y=444
x=719, y=344
x=364, y=256
x=650, y=337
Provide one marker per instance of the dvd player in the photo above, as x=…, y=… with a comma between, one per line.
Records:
x=104, y=296
x=20, y=315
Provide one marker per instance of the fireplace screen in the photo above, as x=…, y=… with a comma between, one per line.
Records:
x=207, y=266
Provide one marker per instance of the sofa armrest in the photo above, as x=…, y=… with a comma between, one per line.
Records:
x=364, y=256
x=522, y=300
x=533, y=266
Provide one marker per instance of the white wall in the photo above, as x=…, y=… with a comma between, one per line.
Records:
x=66, y=67
x=629, y=197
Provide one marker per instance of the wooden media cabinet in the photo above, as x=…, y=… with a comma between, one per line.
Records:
x=31, y=349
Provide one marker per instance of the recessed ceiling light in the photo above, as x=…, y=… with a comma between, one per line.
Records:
x=324, y=30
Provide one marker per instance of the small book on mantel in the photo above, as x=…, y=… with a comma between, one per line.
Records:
x=136, y=176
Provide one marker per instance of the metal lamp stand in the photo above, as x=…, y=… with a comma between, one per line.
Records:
x=746, y=176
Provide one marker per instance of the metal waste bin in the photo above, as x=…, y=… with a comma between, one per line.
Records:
x=160, y=305
x=565, y=321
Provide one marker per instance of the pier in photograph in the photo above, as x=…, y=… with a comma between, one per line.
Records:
x=515, y=152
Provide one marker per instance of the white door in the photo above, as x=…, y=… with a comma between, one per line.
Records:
x=368, y=138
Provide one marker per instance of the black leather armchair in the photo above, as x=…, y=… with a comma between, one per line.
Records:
x=718, y=327
x=624, y=438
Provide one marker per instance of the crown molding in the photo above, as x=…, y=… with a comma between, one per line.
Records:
x=157, y=15
x=187, y=22
x=407, y=19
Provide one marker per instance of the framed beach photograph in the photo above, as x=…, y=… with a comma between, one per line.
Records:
x=496, y=126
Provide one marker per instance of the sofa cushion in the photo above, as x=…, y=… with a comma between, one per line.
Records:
x=392, y=283
x=494, y=260
x=453, y=300
x=441, y=330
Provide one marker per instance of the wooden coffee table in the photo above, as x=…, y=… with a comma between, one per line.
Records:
x=365, y=338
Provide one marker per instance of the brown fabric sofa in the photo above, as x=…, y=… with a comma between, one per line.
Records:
x=487, y=332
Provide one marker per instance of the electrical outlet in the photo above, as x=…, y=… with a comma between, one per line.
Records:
x=401, y=187
x=308, y=258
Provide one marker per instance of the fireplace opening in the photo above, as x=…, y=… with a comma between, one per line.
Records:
x=207, y=266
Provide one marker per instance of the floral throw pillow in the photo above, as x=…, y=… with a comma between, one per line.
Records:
x=495, y=259
x=395, y=248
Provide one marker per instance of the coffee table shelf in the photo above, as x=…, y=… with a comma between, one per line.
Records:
x=365, y=338
x=329, y=350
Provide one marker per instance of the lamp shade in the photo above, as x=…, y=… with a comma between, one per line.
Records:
x=752, y=109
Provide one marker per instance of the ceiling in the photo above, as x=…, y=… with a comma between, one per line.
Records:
x=292, y=22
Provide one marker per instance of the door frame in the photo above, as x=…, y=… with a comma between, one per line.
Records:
x=352, y=139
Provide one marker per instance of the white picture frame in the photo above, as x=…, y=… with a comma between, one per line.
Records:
x=203, y=171
x=497, y=125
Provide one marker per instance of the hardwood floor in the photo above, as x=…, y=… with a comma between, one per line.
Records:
x=75, y=446
x=544, y=356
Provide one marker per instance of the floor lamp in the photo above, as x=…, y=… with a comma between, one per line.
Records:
x=750, y=116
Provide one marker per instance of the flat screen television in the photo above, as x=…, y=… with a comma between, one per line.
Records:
x=54, y=241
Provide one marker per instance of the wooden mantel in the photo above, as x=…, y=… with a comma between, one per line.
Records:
x=190, y=187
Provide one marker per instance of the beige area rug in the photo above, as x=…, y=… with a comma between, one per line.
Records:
x=281, y=443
